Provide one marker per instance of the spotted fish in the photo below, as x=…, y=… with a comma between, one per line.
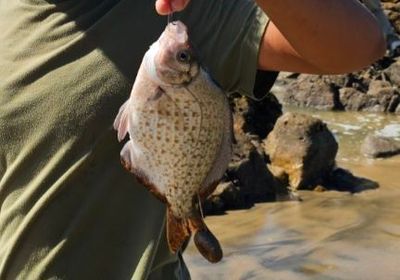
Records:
x=180, y=133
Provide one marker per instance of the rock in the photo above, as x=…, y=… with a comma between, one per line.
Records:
x=352, y=99
x=342, y=180
x=378, y=146
x=310, y=91
x=252, y=121
x=256, y=182
x=248, y=180
x=382, y=95
x=374, y=89
x=303, y=148
x=377, y=87
x=320, y=188
x=248, y=169
x=225, y=196
x=393, y=73
x=261, y=115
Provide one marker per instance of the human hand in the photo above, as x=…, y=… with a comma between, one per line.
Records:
x=164, y=7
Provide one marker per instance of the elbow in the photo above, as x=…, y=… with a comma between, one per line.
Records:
x=379, y=48
x=371, y=52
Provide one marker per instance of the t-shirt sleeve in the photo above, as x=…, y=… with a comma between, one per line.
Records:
x=226, y=35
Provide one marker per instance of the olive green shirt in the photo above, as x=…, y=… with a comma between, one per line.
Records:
x=68, y=209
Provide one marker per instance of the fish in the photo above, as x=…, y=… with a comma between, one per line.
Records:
x=179, y=124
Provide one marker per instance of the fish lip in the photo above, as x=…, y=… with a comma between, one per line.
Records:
x=191, y=74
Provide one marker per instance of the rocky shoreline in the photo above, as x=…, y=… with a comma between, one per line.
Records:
x=276, y=154
x=374, y=89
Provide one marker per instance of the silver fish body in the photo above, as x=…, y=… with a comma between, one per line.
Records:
x=180, y=128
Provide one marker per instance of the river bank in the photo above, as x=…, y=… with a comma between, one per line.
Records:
x=328, y=235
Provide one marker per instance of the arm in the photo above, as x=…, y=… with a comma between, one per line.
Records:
x=313, y=36
x=329, y=36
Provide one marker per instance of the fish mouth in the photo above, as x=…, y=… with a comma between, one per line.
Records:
x=193, y=71
x=186, y=77
x=178, y=31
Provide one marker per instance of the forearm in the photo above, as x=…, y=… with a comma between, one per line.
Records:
x=325, y=33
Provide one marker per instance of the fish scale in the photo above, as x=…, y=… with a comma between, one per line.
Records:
x=180, y=127
x=191, y=172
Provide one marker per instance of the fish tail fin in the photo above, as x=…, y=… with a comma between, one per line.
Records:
x=178, y=231
x=205, y=241
x=121, y=122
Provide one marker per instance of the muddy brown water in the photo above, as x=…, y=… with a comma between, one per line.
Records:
x=329, y=235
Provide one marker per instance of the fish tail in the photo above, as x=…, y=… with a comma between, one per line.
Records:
x=205, y=241
x=180, y=230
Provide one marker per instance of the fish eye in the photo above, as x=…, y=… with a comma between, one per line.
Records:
x=183, y=56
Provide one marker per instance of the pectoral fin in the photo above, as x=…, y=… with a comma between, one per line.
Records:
x=121, y=122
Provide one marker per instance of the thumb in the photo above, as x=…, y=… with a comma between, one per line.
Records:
x=164, y=7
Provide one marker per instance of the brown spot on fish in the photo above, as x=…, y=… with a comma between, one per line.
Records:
x=177, y=136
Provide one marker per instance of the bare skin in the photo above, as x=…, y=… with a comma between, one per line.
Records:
x=312, y=36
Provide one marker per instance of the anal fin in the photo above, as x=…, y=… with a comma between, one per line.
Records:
x=177, y=231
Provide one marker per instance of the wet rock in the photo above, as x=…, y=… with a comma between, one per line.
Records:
x=302, y=148
x=343, y=180
x=378, y=146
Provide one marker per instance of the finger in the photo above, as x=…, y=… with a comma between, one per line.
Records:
x=165, y=7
